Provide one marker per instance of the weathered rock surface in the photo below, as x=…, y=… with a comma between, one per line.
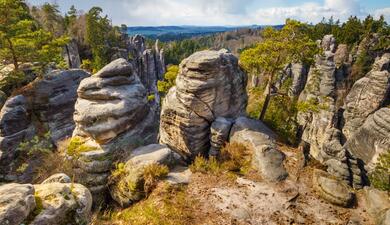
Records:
x=378, y=205
x=57, y=178
x=148, y=64
x=128, y=187
x=111, y=102
x=332, y=190
x=298, y=73
x=71, y=55
x=210, y=84
x=53, y=101
x=219, y=134
x=62, y=204
x=113, y=117
x=267, y=159
x=15, y=126
x=372, y=138
x=16, y=203
x=367, y=95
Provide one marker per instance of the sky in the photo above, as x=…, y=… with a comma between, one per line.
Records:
x=225, y=12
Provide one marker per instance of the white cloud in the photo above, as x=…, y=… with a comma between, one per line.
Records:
x=221, y=12
x=385, y=12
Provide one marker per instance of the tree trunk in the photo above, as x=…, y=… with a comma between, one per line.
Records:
x=266, y=102
x=14, y=58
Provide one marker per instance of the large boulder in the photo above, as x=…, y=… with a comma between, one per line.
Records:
x=210, y=84
x=62, y=204
x=128, y=182
x=372, y=138
x=17, y=201
x=267, y=159
x=112, y=102
x=112, y=118
x=367, y=95
x=331, y=189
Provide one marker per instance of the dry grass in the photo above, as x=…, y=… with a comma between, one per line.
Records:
x=167, y=205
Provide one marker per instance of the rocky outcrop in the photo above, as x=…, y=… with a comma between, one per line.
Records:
x=219, y=134
x=17, y=201
x=367, y=95
x=112, y=118
x=58, y=178
x=266, y=158
x=71, y=55
x=149, y=64
x=15, y=127
x=128, y=182
x=332, y=190
x=210, y=84
x=53, y=101
x=319, y=115
x=372, y=138
x=44, y=204
x=61, y=203
x=378, y=205
x=298, y=73
x=46, y=105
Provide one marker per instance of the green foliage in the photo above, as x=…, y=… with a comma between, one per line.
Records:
x=311, y=105
x=101, y=37
x=169, y=80
x=380, y=176
x=78, y=145
x=86, y=65
x=151, y=98
x=176, y=51
x=22, y=39
x=37, y=145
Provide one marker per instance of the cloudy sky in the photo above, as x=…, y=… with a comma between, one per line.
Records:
x=225, y=12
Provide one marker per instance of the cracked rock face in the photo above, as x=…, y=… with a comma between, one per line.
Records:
x=210, y=84
x=372, y=138
x=110, y=103
x=367, y=95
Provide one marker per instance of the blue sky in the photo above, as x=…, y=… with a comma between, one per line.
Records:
x=225, y=12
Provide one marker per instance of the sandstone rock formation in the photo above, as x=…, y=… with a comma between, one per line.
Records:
x=209, y=85
x=58, y=178
x=298, y=73
x=372, y=138
x=15, y=126
x=16, y=203
x=367, y=95
x=149, y=64
x=332, y=190
x=219, y=134
x=112, y=117
x=62, y=204
x=378, y=205
x=128, y=185
x=266, y=158
x=53, y=101
x=71, y=55
x=44, y=204
x=320, y=118
x=47, y=105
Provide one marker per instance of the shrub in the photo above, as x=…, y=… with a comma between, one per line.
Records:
x=37, y=145
x=234, y=158
x=151, y=98
x=169, y=80
x=152, y=174
x=86, y=65
x=78, y=145
x=380, y=176
x=167, y=205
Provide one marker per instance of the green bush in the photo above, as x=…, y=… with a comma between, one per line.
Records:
x=169, y=80
x=78, y=145
x=380, y=176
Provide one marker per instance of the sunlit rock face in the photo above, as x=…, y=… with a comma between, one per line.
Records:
x=210, y=84
x=113, y=117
